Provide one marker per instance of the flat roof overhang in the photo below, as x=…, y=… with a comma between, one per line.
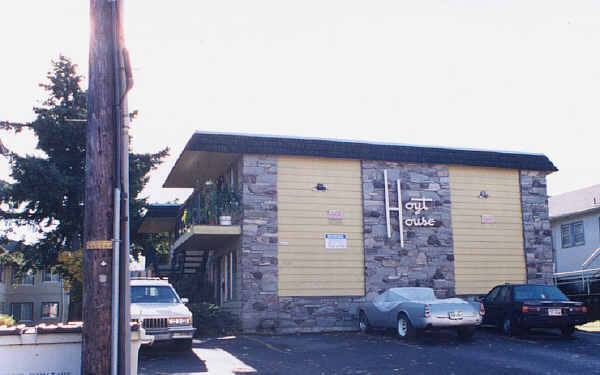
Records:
x=193, y=167
x=208, y=154
x=207, y=237
x=160, y=218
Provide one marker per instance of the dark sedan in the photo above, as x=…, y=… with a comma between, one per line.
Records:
x=515, y=308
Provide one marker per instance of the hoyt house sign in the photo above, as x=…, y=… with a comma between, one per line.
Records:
x=414, y=205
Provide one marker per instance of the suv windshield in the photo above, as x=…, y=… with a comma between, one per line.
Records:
x=538, y=292
x=153, y=294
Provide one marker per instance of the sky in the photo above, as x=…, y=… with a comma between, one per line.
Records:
x=502, y=75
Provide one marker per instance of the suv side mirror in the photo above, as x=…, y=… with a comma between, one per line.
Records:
x=185, y=300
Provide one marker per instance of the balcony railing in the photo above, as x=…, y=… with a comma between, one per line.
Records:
x=207, y=208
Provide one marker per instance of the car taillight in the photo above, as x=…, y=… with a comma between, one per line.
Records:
x=579, y=309
x=481, y=309
x=427, y=311
x=526, y=308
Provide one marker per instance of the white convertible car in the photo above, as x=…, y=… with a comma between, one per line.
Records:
x=413, y=310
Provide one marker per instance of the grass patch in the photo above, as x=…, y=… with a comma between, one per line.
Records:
x=590, y=327
x=6, y=320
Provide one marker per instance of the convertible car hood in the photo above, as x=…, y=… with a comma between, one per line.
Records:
x=396, y=296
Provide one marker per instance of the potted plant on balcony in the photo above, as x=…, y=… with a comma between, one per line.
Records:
x=228, y=204
x=209, y=211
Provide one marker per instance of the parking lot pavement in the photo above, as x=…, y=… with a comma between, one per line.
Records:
x=542, y=352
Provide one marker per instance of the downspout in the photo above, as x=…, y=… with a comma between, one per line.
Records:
x=125, y=84
x=117, y=197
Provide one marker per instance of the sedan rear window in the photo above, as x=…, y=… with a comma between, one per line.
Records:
x=538, y=292
x=153, y=294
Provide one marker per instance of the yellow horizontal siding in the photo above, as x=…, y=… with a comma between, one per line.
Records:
x=306, y=267
x=296, y=217
x=305, y=188
x=313, y=209
x=486, y=254
x=315, y=271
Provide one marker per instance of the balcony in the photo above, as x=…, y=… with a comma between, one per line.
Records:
x=200, y=223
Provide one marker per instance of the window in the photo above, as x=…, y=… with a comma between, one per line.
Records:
x=1, y=274
x=572, y=234
x=22, y=311
x=492, y=295
x=538, y=293
x=50, y=277
x=504, y=295
x=153, y=294
x=26, y=279
x=49, y=310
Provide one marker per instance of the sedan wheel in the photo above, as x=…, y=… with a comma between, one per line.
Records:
x=363, y=322
x=567, y=331
x=405, y=329
x=509, y=327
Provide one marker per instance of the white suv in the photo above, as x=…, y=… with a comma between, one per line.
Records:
x=162, y=313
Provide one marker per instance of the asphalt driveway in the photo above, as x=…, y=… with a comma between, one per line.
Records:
x=542, y=352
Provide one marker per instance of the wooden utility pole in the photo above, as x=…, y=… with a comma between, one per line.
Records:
x=99, y=198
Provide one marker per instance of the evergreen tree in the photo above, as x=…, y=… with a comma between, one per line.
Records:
x=48, y=192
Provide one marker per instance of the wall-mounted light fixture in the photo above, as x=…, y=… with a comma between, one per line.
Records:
x=320, y=187
x=483, y=195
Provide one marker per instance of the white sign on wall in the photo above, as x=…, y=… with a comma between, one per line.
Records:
x=487, y=219
x=336, y=241
x=335, y=214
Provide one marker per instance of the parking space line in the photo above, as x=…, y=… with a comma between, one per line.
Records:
x=272, y=347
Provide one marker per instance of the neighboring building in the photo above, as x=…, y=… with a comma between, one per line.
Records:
x=38, y=297
x=3, y=307
x=575, y=220
x=319, y=229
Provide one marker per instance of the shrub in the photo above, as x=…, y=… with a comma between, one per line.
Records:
x=6, y=320
x=210, y=319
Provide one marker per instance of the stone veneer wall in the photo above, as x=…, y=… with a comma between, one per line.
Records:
x=258, y=258
x=427, y=258
x=537, y=234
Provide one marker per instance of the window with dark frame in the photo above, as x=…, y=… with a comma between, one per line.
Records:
x=50, y=277
x=49, y=310
x=572, y=234
x=22, y=311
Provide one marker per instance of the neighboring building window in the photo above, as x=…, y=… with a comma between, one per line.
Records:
x=50, y=277
x=572, y=234
x=22, y=311
x=1, y=275
x=26, y=279
x=49, y=310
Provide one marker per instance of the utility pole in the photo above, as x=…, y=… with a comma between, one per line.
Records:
x=106, y=252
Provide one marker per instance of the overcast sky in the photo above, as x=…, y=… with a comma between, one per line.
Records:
x=501, y=75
